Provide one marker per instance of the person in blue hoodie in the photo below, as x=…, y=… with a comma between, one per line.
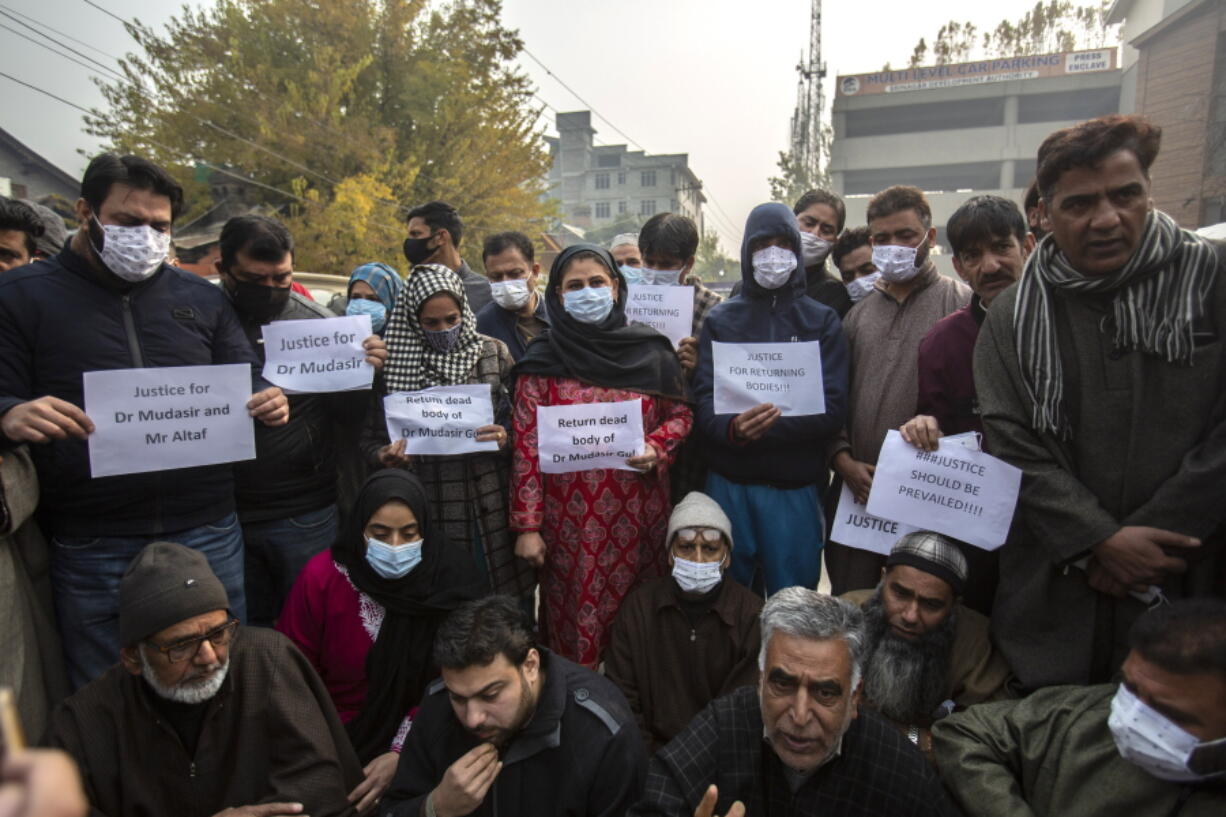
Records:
x=767, y=470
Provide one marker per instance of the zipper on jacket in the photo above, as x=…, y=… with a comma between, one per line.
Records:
x=129, y=325
x=693, y=635
x=191, y=770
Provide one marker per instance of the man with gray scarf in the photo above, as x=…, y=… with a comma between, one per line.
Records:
x=1102, y=375
x=927, y=654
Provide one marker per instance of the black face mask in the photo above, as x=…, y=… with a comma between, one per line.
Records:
x=415, y=249
x=256, y=302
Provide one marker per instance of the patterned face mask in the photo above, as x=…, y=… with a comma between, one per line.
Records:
x=443, y=340
x=132, y=253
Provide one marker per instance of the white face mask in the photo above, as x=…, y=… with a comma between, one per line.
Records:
x=393, y=562
x=132, y=253
x=661, y=277
x=773, y=266
x=512, y=294
x=895, y=263
x=696, y=577
x=1151, y=741
x=862, y=286
x=813, y=248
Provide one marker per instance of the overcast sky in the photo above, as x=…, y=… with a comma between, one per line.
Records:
x=712, y=78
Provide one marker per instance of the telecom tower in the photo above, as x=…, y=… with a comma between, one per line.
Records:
x=807, y=143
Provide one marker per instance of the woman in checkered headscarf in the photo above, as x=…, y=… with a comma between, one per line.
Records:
x=432, y=340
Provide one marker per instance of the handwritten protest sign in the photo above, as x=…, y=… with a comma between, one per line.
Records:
x=440, y=420
x=962, y=493
x=589, y=435
x=855, y=527
x=318, y=355
x=176, y=417
x=789, y=375
x=667, y=309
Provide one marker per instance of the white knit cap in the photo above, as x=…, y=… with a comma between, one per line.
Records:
x=698, y=510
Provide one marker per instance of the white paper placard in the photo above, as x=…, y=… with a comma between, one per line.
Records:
x=855, y=527
x=584, y=436
x=318, y=355
x=440, y=420
x=667, y=309
x=965, y=494
x=789, y=375
x=174, y=417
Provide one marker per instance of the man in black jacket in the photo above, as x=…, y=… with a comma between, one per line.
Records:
x=287, y=494
x=435, y=230
x=109, y=301
x=514, y=730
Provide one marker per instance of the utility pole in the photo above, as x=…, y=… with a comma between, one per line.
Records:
x=807, y=144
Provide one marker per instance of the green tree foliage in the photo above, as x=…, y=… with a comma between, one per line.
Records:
x=1047, y=28
x=796, y=178
x=359, y=108
x=710, y=263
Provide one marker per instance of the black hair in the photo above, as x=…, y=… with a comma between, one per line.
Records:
x=108, y=169
x=501, y=242
x=670, y=235
x=847, y=242
x=260, y=238
x=1187, y=637
x=822, y=197
x=981, y=219
x=477, y=632
x=1088, y=143
x=15, y=215
x=1031, y=200
x=439, y=215
x=896, y=199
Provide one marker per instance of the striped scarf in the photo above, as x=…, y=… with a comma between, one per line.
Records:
x=1156, y=295
x=412, y=363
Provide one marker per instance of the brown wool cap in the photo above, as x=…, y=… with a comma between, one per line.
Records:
x=166, y=583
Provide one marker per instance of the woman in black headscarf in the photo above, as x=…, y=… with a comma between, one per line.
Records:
x=365, y=613
x=596, y=533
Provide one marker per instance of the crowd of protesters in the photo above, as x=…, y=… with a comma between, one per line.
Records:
x=342, y=626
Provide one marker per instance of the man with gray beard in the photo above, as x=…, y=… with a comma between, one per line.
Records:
x=201, y=716
x=928, y=654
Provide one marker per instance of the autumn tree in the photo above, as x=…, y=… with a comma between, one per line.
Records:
x=1047, y=28
x=341, y=112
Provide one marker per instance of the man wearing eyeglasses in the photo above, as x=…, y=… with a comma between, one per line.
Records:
x=202, y=717
x=681, y=641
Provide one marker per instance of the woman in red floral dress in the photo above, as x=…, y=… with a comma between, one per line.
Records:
x=594, y=534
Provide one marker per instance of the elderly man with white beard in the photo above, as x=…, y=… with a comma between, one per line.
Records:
x=201, y=716
x=797, y=744
x=927, y=654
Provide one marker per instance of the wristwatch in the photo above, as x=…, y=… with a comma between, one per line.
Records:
x=913, y=734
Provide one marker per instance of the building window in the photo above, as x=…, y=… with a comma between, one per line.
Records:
x=674, y=206
x=608, y=160
x=647, y=178
x=647, y=207
x=602, y=209
x=621, y=208
x=602, y=181
x=621, y=177
x=672, y=178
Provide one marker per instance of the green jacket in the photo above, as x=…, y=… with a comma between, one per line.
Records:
x=1052, y=755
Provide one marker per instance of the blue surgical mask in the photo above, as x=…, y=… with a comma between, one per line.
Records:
x=588, y=305
x=633, y=275
x=376, y=310
x=661, y=277
x=393, y=562
x=443, y=340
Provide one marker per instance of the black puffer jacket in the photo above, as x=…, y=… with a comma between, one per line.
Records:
x=60, y=318
x=295, y=468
